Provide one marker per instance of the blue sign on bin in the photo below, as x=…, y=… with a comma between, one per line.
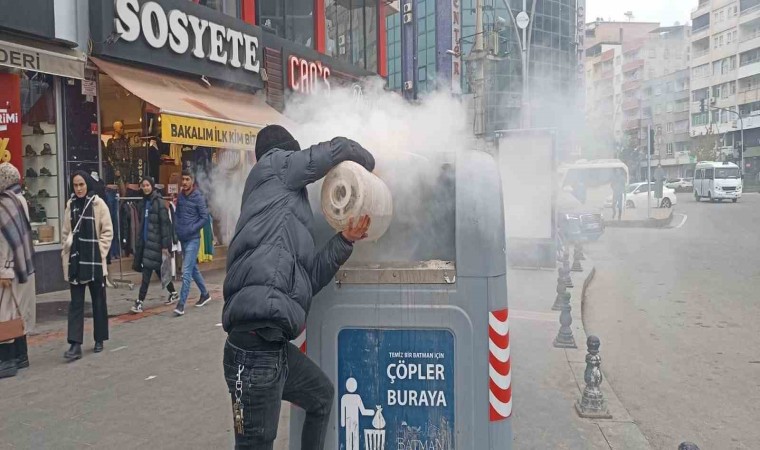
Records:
x=395, y=389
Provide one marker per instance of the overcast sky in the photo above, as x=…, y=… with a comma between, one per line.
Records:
x=667, y=12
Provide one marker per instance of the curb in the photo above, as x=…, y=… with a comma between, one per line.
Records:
x=646, y=223
x=621, y=431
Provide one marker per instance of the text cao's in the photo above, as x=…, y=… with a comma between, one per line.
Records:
x=185, y=32
x=403, y=371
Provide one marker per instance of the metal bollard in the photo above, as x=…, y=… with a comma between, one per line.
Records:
x=561, y=293
x=592, y=403
x=579, y=252
x=688, y=446
x=566, y=269
x=565, y=337
x=576, y=262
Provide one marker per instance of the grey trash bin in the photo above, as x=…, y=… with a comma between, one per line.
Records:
x=418, y=350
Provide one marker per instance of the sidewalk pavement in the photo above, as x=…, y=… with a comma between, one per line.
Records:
x=547, y=381
x=144, y=391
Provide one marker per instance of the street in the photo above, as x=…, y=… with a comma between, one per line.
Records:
x=676, y=310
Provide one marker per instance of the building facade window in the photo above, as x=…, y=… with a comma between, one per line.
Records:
x=700, y=119
x=229, y=7
x=289, y=19
x=393, y=43
x=426, y=45
x=351, y=31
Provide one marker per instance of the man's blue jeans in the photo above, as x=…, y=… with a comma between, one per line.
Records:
x=190, y=270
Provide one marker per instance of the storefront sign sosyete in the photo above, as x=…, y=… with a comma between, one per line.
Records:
x=207, y=133
x=178, y=35
x=306, y=76
x=10, y=120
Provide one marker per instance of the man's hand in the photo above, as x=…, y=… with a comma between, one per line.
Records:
x=6, y=282
x=358, y=232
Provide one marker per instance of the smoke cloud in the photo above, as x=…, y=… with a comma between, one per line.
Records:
x=414, y=147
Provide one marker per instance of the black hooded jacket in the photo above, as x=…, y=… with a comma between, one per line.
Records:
x=148, y=251
x=273, y=269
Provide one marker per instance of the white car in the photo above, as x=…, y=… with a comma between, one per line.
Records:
x=636, y=197
x=681, y=184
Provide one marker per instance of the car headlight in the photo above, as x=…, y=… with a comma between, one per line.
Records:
x=718, y=188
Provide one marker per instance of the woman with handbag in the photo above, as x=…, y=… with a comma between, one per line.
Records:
x=18, y=297
x=156, y=241
x=87, y=232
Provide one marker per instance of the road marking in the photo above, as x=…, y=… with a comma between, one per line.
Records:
x=683, y=221
x=119, y=348
x=150, y=377
x=533, y=315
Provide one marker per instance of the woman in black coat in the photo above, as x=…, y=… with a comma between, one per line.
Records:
x=156, y=237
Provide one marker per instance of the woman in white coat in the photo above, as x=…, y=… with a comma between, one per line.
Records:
x=16, y=269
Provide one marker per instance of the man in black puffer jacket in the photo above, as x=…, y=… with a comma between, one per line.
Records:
x=273, y=271
x=155, y=241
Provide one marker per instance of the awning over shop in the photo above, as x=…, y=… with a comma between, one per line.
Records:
x=194, y=114
x=26, y=54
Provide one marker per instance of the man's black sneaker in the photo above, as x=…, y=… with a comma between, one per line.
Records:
x=179, y=310
x=44, y=172
x=73, y=353
x=31, y=173
x=98, y=347
x=138, y=307
x=43, y=193
x=30, y=151
x=203, y=300
x=46, y=150
x=173, y=297
x=37, y=129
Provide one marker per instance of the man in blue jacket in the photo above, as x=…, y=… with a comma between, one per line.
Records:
x=273, y=271
x=191, y=216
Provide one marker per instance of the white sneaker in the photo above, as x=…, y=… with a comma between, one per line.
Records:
x=137, y=308
x=173, y=297
x=179, y=310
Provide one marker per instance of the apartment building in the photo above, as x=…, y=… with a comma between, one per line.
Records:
x=656, y=95
x=604, y=43
x=726, y=81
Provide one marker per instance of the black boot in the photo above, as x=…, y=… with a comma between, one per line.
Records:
x=22, y=353
x=98, y=347
x=74, y=352
x=8, y=368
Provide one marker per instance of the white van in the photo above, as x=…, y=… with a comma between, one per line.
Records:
x=717, y=181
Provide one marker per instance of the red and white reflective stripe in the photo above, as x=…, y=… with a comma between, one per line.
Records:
x=300, y=341
x=499, y=367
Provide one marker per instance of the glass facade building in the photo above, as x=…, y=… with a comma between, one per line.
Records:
x=393, y=27
x=351, y=31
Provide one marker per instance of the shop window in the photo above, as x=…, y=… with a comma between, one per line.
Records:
x=289, y=19
x=229, y=7
x=351, y=31
x=393, y=27
x=40, y=150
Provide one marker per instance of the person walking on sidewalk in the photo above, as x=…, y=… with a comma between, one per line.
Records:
x=191, y=216
x=618, y=194
x=86, y=235
x=16, y=269
x=273, y=271
x=155, y=243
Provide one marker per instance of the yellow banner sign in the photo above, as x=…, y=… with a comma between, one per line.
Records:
x=207, y=133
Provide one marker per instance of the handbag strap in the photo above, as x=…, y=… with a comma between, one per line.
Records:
x=81, y=216
x=15, y=301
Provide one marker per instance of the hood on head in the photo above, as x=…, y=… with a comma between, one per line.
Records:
x=275, y=137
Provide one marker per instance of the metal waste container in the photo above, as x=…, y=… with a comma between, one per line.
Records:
x=418, y=348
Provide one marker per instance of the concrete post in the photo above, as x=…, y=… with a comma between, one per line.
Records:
x=592, y=403
x=565, y=337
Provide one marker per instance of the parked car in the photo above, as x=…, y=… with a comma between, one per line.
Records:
x=681, y=184
x=636, y=196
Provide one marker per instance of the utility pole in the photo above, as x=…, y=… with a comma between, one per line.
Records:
x=477, y=59
x=650, y=144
